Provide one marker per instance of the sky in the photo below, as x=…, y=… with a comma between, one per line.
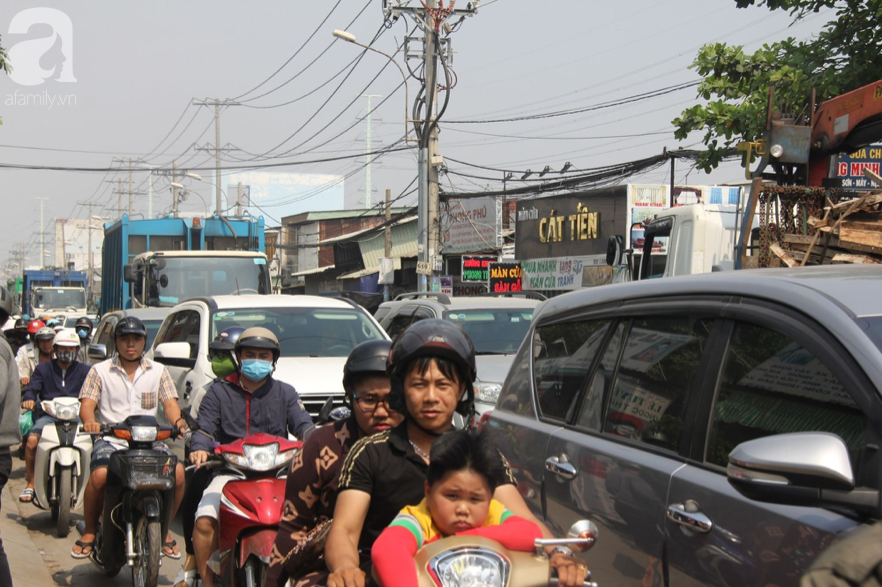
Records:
x=299, y=99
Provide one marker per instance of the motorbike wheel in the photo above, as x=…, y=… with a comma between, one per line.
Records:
x=253, y=573
x=62, y=506
x=148, y=545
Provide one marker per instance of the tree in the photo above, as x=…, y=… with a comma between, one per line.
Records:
x=844, y=56
x=4, y=63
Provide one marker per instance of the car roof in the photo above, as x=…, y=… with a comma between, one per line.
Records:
x=143, y=313
x=271, y=301
x=469, y=302
x=857, y=289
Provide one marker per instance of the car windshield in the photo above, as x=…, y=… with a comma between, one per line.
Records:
x=60, y=298
x=494, y=332
x=183, y=278
x=304, y=332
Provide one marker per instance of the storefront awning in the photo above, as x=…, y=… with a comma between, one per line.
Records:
x=368, y=271
x=312, y=271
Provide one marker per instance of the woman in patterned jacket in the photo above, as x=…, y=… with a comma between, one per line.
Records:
x=311, y=491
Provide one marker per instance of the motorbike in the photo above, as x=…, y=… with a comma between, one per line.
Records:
x=139, y=499
x=251, y=506
x=473, y=561
x=61, y=466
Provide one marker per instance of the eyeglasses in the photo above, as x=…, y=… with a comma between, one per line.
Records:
x=372, y=402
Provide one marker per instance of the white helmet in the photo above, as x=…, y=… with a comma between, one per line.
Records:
x=67, y=337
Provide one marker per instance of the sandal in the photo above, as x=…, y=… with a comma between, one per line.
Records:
x=171, y=544
x=27, y=495
x=83, y=546
x=186, y=578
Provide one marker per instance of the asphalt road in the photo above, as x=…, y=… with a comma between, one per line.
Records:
x=39, y=558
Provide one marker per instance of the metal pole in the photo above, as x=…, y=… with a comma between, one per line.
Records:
x=239, y=201
x=130, y=186
x=89, y=273
x=671, y=195
x=432, y=146
x=368, y=188
x=422, y=208
x=150, y=196
x=217, y=146
x=174, y=189
x=119, y=193
x=387, y=248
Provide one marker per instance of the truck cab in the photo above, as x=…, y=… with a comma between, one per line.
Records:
x=57, y=301
x=167, y=278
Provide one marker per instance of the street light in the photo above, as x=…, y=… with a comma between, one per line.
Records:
x=350, y=38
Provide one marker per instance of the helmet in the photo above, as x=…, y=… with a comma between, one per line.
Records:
x=46, y=333
x=433, y=337
x=34, y=326
x=129, y=325
x=84, y=321
x=368, y=358
x=67, y=337
x=21, y=324
x=226, y=340
x=5, y=302
x=261, y=338
x=52, y=322
x=58, y=326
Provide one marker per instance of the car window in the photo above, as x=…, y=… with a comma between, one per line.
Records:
x=771, y=385
x=494, y=331
x=516, y=395
x=591, y=413
x=304, y=332
x=152, y=327
x=381, y=313
x=105, y=334
x=563, y=355
x=404, y=318
x=184, y=327
x=657, y=370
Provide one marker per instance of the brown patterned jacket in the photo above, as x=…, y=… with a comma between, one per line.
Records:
x=311, y=490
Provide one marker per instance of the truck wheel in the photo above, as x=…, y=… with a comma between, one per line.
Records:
x=148, y=546
x=62, y=506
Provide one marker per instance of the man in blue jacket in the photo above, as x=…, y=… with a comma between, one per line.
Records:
x=245, y=403
x=61, y=377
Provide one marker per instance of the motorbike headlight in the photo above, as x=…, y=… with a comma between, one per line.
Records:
x=144, y=433
x=260, y=458
x=470, y=567
x=66, y=412
x=487, y=393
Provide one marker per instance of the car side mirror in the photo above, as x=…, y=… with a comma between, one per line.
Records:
x=810, y=469
x=128, y=273
x=615, y=245
x=97, y=352
x=171, y=350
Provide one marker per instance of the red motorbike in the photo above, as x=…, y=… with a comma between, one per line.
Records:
x=251, y=507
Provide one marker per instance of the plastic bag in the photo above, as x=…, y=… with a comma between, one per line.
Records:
x=26, y=422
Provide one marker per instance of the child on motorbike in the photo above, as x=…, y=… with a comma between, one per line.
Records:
x=464, y=470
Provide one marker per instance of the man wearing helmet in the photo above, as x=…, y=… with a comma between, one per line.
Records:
x=62, y=377
x=83, y=327
x=432, y=368
x=17, y=336
x=10, y=433
x=245, y=403
x=30, y=355
x=124, y=385
x=316, y=472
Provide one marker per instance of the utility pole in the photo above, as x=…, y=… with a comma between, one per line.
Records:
x=42, y=236
x=119, y=193
x=239, y=200
x=174, y=189
x=368, y=188
x=387, y=247
x=130, y=186
x=217, y=145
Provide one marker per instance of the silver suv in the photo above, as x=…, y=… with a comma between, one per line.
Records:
x=496, y=324
x=723, y=429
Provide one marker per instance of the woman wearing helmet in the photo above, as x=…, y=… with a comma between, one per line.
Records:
x=432, y=367
x=62, y=377
x=83, y=328
x=367, y=388
x=245, y=403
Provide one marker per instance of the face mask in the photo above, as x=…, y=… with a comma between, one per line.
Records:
x=66, y=356
x=256, y=370
x=222, y=366
x=82, y=333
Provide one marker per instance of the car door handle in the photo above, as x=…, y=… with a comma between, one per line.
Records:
x=561, y=466
x=693, y=520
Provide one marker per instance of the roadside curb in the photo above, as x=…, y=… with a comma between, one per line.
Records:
x=20, y=549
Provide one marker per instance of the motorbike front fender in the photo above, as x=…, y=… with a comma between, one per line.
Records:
x=151, y=506
x=258, y=544
x=65, y=456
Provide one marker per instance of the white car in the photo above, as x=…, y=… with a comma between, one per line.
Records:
x=316, y=335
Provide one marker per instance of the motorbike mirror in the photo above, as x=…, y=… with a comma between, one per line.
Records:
x=614, y=246
x=163, y=280
x=190, y=420
x=324, y=414
x=583, y=530
x=340, y=413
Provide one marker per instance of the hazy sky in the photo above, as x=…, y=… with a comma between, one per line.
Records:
x=137, y=65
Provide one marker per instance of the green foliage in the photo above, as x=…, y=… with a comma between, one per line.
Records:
x=4, y=63
x=844, y=56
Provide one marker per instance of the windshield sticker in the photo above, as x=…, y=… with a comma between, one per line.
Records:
x=260, y=261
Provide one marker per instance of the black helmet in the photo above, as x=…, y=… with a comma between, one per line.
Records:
x=260, y=338
x=433, y=338
x=21, y=324
x=5, y=304
x=84, y=321
x=226, y=340
x=368, y=358
x=129, y=325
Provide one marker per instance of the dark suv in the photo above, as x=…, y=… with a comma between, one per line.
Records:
x=656, y=408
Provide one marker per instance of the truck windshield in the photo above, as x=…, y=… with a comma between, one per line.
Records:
x=183, y=278
x=496, y=331
x=304, y=332
x=59, y=298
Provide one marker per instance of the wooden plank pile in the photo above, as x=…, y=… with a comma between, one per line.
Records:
x=849, y=232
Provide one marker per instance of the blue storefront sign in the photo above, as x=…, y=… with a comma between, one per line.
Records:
x=851, y=167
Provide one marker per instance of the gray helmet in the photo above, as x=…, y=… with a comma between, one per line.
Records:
x=5, y=304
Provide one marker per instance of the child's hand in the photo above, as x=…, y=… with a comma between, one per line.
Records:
x=347, y=577
x=571, y=571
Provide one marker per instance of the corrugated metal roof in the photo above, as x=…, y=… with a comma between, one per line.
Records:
x=337, y=214
x=370, y=270
x=312, y=271
x=404, y=243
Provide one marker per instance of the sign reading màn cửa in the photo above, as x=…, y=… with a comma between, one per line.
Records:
x=505, y=277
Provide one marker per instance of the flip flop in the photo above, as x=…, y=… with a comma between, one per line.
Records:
x=171, y=546
x=83, y=546
x=186, y=578
x=27, y=495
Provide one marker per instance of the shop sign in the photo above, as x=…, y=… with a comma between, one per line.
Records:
x=476, y=268
x=505, y=277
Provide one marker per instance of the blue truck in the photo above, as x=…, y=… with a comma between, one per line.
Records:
x=53, y=292
x=164, y=261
